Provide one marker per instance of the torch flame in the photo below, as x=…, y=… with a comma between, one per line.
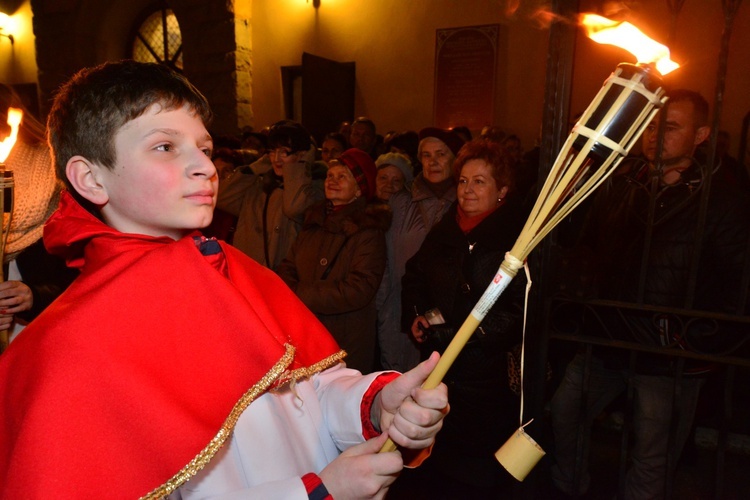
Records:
x=626, y=36
x=14, y=120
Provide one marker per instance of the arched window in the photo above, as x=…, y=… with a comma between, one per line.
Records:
x=158, y=39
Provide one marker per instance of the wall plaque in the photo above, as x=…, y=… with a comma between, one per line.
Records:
x=465, y=76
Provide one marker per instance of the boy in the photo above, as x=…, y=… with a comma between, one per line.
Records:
x=175, y=364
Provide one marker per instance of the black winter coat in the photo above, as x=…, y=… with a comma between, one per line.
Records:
x=450, y=272
x=620, y=222
x=630, y=214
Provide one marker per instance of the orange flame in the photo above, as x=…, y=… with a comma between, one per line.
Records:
x=14, y=120
x=626, y=36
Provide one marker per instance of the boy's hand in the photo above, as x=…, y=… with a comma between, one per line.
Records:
x=410, y=415
x=362, y=472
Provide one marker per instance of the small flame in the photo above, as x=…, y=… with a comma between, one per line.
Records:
x=626, y=36
x=14, y=120
x=544, y=18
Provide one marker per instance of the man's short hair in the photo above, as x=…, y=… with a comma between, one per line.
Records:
x=700, y=105
x=96, y=102
x=363, y=120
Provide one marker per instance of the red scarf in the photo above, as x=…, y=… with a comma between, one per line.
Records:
x=468, y=222
x=134, y=371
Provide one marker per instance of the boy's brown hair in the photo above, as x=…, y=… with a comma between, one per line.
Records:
x=96, y=102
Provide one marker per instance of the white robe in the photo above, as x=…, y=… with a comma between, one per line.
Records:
x=282, y=436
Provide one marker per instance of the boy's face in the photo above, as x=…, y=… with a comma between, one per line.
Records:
x=163, y=183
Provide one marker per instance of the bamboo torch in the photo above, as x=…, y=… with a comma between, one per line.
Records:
x=6, y=196
x=604, y=135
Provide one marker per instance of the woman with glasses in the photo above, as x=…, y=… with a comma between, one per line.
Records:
x=337, y=262
x=270, y=196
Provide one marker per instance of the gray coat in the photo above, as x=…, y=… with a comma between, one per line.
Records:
x=415, y=212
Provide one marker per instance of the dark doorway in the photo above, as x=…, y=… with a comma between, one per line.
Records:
x=320, y=93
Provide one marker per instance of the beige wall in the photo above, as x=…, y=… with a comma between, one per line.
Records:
x=393, y=45
x=18, y=61
x=392, y=42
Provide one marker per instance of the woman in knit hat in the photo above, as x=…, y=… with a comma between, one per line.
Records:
x=336, y=264
x=34, y=278
x=394, y=175
x=415, y=212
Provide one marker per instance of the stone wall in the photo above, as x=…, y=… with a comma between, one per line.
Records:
x=73, y=34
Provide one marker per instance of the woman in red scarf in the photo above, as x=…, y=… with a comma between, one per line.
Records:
x=454, y=265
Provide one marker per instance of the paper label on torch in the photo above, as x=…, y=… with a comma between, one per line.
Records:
x=489, y=297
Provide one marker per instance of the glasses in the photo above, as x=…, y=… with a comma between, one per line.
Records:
x=282, y=153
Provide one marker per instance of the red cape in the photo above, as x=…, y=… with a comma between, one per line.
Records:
x=134, y=377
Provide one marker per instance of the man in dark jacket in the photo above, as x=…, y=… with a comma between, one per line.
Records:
x=654, y=204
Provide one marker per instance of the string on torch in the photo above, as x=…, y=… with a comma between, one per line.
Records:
x=604, y=135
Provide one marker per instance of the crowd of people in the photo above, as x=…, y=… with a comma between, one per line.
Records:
x=358, y=247
x=400, y=186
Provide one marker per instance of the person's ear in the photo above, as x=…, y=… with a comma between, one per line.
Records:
x=702, y=134
x=85, y=177
x=503, y=191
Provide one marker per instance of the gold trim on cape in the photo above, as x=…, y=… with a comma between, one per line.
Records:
x=278, y=375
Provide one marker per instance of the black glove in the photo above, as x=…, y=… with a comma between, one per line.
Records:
x=437, y=337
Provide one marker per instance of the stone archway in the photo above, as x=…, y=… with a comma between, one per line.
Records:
x=216, y=39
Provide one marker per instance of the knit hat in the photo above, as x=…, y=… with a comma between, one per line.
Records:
x=363, y=169
x=36, y=194
x=399, y=161
x=449, y=137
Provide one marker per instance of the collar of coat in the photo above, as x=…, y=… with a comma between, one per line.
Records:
x=502, y=226
x=356, y=216
x=420, y=190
